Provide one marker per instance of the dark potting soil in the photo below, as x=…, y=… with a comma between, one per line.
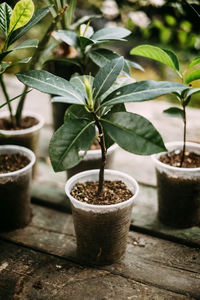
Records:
x=113, y=192
x=12, y=162
x=178, y=201
x=15, y=211
x=26, y=122
x=173, y=158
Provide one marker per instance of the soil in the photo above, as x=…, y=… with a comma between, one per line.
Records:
x=191, y=160
x=113, y=192
x=12, y=162
x=26, y=122
x=178, y=201
x=15, y=211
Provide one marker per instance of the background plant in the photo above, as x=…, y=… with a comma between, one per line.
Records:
x=189, y=75
x=14, y=24
x=95, y=103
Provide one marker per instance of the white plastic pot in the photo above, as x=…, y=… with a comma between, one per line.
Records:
x=101, y=230
x=15, y=209
x=28, y=137
x=178, y=190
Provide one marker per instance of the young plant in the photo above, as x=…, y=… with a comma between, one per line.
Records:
x=95, y=104
x=86, y=43
x=14, y=24
x=170, y=59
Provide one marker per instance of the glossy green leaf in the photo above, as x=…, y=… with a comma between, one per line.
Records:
x=194, y=62
x=192, y=91
x=22, y=13
x=194, y=75
x=4, y=66
x=7, y=65
x=107, y=76
x=102, y=56
x=69, y=37
x=3, y=54
x=66, y=62
x=116, y=33
x=78, y=83
x=72, y=137
x=37, y=17
x=27, y=44
x=134, y=65
x=77, y=112
x=86, y=31
x=5, y=13
x=84, y=42
x=133, y=133
x=142, y=91
x=174, y=112
x=166, y=57
x=51, y=84
x=82, y=20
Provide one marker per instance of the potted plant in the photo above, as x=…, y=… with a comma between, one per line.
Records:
x=178, y=170
x=96, y=105
x=85, y=57
x=15, y=128
x=16, y=164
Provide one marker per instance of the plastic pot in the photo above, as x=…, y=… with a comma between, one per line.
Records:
x=15, y=209
x=101, y=230
x=28, y=137
x=178, y=190
x=92, y=160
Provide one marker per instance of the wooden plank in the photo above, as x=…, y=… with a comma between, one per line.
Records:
x=27, y=274
x=148, y=260
x=48, y=190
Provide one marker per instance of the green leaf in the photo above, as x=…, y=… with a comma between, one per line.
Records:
x=194, y=75
x=194, y=62
x=142, y=91
x=107, y=76
x=77, y=112
x=78, y=83
x=5, y=66
x=51, y=84
x=82, y=20
x=37, y=17
x=3, y=54
x=134, y=65
x=5, y=13
x=72, y=137
x=166, y=57
x=27, y=44
x=133, y=133
x=84, y=42
x=174, y=112
x=66, y=62
x=192, y=91
x=116, y=33
x=21, y=14
x=69, y=37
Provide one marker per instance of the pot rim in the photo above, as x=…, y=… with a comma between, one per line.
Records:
x=101, y=207
x=19, y=149
x=26, y=130
x=155, y=157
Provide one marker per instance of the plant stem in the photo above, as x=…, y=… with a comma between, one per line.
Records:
x=184, y=136
x=103, y=154
x=7, y=99
x=36, y=56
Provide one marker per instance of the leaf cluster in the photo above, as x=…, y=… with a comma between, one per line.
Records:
x=99, y=102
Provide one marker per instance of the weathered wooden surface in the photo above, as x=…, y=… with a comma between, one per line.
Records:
x=49, y=191
x=161, y=269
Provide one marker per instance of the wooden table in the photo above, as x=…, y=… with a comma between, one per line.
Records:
x=39, y=261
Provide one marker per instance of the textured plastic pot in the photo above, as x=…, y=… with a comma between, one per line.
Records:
x=178, y=190
x=92, y=160
x=15, y=211
x=101, y=230
x=28, y=137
